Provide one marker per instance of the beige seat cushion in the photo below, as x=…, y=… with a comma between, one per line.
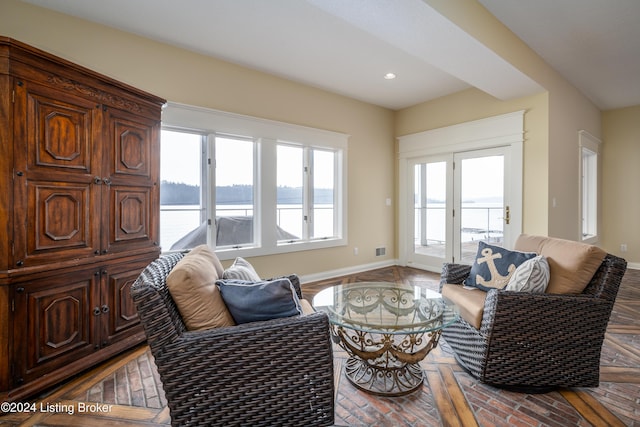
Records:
x=470, y=302
x=571, y=264
x=192, y=285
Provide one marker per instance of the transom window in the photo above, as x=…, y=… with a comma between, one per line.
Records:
x=271, y=188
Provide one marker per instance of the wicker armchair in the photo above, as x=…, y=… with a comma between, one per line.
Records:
x=537, y=342
x=276, y=372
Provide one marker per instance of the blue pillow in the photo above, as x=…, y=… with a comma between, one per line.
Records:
x=494, y=266
x=257, y=301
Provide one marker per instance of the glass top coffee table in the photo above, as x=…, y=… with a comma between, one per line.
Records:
x=386, y=329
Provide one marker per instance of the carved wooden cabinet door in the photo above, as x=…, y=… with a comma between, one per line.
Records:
x=120, y=317
x=84, y=178
x=57, y=322
x=56, y=195
x=129, y=195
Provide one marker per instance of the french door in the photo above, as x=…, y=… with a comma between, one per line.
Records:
x=458, y=200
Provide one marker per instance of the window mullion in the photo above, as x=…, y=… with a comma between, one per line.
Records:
x=307, y=195
x=210, y=179
x=267, y=202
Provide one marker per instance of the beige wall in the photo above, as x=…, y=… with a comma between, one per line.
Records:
x=189, y=78
x=620, y=182
x=569, y=112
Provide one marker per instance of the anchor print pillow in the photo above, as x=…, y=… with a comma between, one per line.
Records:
x=494, y=266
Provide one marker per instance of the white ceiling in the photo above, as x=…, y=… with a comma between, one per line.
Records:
x=347, y=46
x=595, y=44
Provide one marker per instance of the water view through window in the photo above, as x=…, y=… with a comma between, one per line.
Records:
x=480, y=213
x=305, y=200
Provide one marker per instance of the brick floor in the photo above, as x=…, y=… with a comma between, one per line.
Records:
x=449, y=397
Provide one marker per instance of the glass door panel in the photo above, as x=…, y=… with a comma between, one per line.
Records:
x=430, y=209
x=480, y=201
x=430, y=222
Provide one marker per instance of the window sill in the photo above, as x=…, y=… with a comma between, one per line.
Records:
x=592, y=240
x=251, y=251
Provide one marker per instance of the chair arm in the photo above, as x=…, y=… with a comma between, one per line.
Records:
x=509, y=313
x=454, y=273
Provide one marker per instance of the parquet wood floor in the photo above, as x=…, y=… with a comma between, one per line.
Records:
x=129, y=392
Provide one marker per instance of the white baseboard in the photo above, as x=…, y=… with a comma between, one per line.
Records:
x=325, y=275
x=315, y=277
x=424, y=267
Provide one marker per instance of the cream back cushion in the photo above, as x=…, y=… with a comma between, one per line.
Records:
x=571, y=264
x=192, y=285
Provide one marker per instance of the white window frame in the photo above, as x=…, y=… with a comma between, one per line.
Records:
x=589, y=151
x=308, y=203
x=267, y=134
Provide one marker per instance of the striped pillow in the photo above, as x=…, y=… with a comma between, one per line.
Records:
x=531, y=276
x=241, y=269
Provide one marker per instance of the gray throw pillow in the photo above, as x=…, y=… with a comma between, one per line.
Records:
x=256, y=301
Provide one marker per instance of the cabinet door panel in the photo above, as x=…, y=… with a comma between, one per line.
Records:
x=60, y=131
x=56, y=200
x=122, y=320
x=132, y=148
x=132, y=163
x=58, y=223
x=55, y=319
x=131, y=218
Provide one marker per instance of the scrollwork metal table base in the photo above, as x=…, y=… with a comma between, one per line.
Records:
x=385, y=364
x=386, y=329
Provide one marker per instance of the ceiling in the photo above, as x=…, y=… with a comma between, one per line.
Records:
x=595, y=44
x=347, y=46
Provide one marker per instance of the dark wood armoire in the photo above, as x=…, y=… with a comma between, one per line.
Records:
x=79, y=211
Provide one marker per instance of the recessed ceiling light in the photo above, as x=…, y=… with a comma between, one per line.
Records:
x=389, y=76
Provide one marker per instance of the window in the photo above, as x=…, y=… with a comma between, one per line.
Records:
x=291, y=200
x=182, y=199
x=306, y=193
x=235, y=192
x=248, y=186
x=323, y=208
x=589, y=149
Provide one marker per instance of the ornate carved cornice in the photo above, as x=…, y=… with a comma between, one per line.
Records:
x=99, y=95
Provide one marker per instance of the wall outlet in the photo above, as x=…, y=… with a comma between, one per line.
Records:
x=355, y=251
x=381, y=251
x=623, y=247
